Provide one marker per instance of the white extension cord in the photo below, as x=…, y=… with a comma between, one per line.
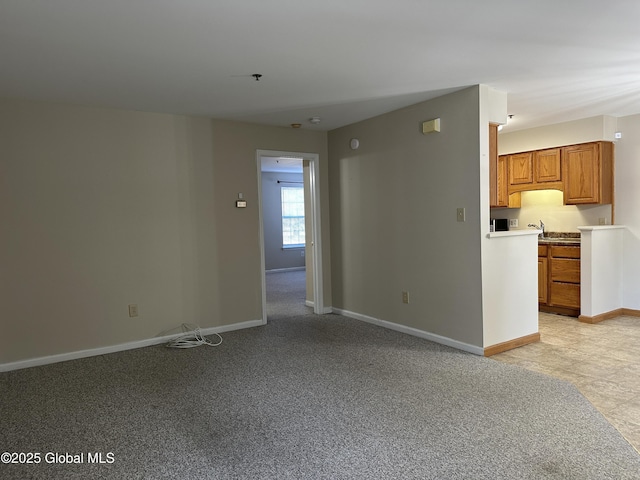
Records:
x=192, y=338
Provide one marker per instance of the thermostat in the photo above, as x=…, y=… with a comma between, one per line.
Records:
x=241, y=204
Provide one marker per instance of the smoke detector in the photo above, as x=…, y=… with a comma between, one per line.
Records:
x=314, y=120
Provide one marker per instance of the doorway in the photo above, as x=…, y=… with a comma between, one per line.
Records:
x=311, y=249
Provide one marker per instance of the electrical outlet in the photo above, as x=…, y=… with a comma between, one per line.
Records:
x=133, y=310
x=602, y=221
x=513, y=222
x=460, y=215
x=405, y=297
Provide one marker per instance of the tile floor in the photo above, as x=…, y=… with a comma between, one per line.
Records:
x=601, y=360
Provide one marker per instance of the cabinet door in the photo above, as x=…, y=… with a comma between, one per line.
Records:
x=501, y=182
x=521, y=168
x=581, y=167
x=543, y=280
x=493, y=166
x=547, y=165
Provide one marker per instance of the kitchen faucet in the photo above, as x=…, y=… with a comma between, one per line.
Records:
x=541, y=227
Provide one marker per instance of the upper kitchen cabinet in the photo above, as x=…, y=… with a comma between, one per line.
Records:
x=520, y=166
x=537, y=170
x=583, y=172
x=547, y=165
x=499, y=175
x=588, y=173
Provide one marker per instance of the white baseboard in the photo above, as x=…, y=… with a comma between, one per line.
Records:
x=62, y=357
x=412, y=331
x=325, y=310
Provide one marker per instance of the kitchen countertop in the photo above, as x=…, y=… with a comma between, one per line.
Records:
x=560, y=238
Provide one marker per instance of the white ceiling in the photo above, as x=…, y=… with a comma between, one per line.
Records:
x=281, y=164
x=342, y=60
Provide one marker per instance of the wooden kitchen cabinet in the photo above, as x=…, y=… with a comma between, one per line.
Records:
x=498, y=175
x=588, y=173
x=583, y=172
x=505, y=199
x=493, y=165
x=520, y=167
x=562, y=279
x=543, y=275
x=547, y=166
x=535, y=170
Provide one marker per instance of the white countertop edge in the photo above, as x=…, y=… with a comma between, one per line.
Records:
x=590, y=228
x=513, y=233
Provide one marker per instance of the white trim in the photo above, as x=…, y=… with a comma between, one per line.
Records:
x=513, y=233
x=325, y=310
x=590, y=228
x=314, y=187
x=318, y=287
x=412, y=331
x=63, y=357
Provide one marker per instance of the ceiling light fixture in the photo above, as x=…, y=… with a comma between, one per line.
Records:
x=509, y=117
x=296, y=125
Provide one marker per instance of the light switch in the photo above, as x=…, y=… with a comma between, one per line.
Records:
x=460, y=214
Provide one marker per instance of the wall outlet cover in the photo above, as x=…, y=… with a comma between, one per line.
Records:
x=513, y=222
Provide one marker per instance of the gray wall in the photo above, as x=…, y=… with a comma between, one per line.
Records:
x=100, y=208
x=275, y=257
x=393, y=218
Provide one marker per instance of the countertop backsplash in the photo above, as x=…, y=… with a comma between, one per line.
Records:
x=547, y=205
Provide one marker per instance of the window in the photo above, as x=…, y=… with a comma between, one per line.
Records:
x=292, y=216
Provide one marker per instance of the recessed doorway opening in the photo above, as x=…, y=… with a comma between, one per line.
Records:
x=290, y=235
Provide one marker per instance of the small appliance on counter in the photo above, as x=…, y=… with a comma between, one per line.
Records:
x=499, y=225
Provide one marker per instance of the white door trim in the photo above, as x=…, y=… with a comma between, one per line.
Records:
x=314, y=186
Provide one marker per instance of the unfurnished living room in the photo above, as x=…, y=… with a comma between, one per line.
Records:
x=280, y=239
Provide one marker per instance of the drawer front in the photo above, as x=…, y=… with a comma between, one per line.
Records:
x=564, y=295
x=542, y=250
x=565, y=270
x=565, y=251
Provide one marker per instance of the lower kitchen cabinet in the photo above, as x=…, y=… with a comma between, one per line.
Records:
x=543, y=275
x=562, y=293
